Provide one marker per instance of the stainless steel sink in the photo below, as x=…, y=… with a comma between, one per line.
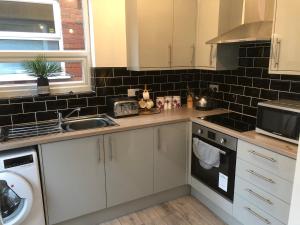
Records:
x=88, y=123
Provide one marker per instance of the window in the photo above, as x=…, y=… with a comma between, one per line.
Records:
x=57, y=29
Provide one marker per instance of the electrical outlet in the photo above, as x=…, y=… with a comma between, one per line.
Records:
x=214, y=87
x=132, y=92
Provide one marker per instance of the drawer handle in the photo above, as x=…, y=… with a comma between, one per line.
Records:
x=257, y=215
x=262, y=156
x=259, y=196
x=261, y=176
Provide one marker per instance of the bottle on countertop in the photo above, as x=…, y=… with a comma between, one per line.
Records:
x=189, y=99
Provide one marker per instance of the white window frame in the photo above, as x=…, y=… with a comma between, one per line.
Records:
x=83, y=56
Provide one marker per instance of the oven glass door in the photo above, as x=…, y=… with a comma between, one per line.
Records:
x=220, y=179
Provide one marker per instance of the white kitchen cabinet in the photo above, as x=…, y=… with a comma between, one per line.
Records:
x=184, y=33
x=215, y=17
x=160, y=34
x=74, y=178
x=108, y=33
x=170, y=156
x=285, y=44
x=129, y=165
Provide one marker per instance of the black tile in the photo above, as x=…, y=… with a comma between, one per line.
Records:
x=244, y=100
x=122, y=90
x=218, y=78
x=242, y=52
x=245, y=81
x=103, y=72
x=295, y=87
x=261, y=62
x=193, y=84
x=86, y=95
x=100, y=82
x=102, y=109
x=290, y=77
x=291, y=96
x=44, y=116
x=66, y=96
x=229, y=97
x=88, y=111
x=251, y=111
x=174, y=78
x=255, y=101
x=254, y=92
x=5, y=120
x=253, y=72
x=271, y=95
x=255, y=52
x=187, y=77
x=77, y=102
x=280, y=85
x=224, y=87
x=181, y=85
x=146, y=80
x=163, y=72
x=121, y=72
x=10, y=109
x=96, y=101
x=4, y=101
x=130, y=80
x=167, y=87
x=113, y=81
x=267, y=51
x=103, y=91
x=206, y=77
x=231, y=79
x=237, y=89
x=23, y=118
x=44, y=98
x=246, y=62
x=261, y=83
x=153, y=73
x=34, y=107
x=59, y=104
x=20, y=100
x=236, y=107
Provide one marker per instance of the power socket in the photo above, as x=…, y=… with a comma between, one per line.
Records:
x=132, y=92
x=214, y=87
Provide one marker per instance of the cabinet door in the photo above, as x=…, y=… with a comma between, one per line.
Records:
x=155, y=33
x=285, y=44
x=74, y=178
x=170, y=156
x=129, y=165
x=184, y=33
x=206, y=30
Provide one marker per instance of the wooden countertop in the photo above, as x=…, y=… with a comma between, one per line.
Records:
x=166, y=117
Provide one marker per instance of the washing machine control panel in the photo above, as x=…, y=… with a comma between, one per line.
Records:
x=18, y=161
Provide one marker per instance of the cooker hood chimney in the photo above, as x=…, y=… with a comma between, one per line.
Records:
x=256, y=23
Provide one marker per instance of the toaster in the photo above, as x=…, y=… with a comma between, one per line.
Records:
x=121, y=107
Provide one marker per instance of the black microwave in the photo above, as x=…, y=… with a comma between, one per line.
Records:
x=279, y=119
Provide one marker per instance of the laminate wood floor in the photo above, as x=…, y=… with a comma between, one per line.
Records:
x=182, y=211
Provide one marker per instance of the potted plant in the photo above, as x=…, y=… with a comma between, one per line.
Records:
x=42, y=69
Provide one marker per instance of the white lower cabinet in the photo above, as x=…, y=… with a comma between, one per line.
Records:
x=74, y=178
x=170, y=156
x=263, y=186
x=129, y=165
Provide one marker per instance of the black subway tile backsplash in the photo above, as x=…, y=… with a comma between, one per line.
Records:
x=239, y=90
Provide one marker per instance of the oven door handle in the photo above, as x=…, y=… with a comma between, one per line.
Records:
x=222, y=152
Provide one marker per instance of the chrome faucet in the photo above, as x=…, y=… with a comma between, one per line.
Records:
x=61, y=119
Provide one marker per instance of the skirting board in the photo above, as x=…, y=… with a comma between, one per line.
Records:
x=130, y=207
x=224, y=216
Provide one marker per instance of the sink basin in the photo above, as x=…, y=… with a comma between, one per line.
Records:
x=88, y=123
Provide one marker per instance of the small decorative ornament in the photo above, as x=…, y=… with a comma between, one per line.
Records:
x=168, y=102
x=160, y=102
x=176, y=102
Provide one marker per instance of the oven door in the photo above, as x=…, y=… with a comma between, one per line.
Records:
x=220, y=179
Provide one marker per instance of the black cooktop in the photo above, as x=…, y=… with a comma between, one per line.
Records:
x=235, y=121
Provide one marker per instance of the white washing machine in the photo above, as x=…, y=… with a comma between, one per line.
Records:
x=21, y=201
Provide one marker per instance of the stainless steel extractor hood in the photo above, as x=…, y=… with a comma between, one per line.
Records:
x=256, y=23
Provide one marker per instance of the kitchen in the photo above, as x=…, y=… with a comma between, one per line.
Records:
x=173, y=112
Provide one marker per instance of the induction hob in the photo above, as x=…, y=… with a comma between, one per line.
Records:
x=234, y=121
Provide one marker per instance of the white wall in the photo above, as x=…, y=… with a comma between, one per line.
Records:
x=295, y=205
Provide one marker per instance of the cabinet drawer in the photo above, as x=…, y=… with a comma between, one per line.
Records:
x=249, y=214
x=265, y=180
x=282, y=166
x=263, y=200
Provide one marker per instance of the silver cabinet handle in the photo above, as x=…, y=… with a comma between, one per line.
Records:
x=99, y=150
x=211, y=54
x=277, y=52
x=158, y=139
x=262, y=156
x=170, y=55
x=257, y=215
x=222, y=152
x=261, y=176
x=259, y=196
x=193, y=55
x=110, y=149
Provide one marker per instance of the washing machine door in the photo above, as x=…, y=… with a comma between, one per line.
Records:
x=16, y=198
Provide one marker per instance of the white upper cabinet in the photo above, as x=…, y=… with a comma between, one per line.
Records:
x=214, y=18
x=159, y=33
x=285, y=38
x=184, y=34
x=108, y=34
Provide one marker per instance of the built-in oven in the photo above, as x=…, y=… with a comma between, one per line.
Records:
x=221, y=176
